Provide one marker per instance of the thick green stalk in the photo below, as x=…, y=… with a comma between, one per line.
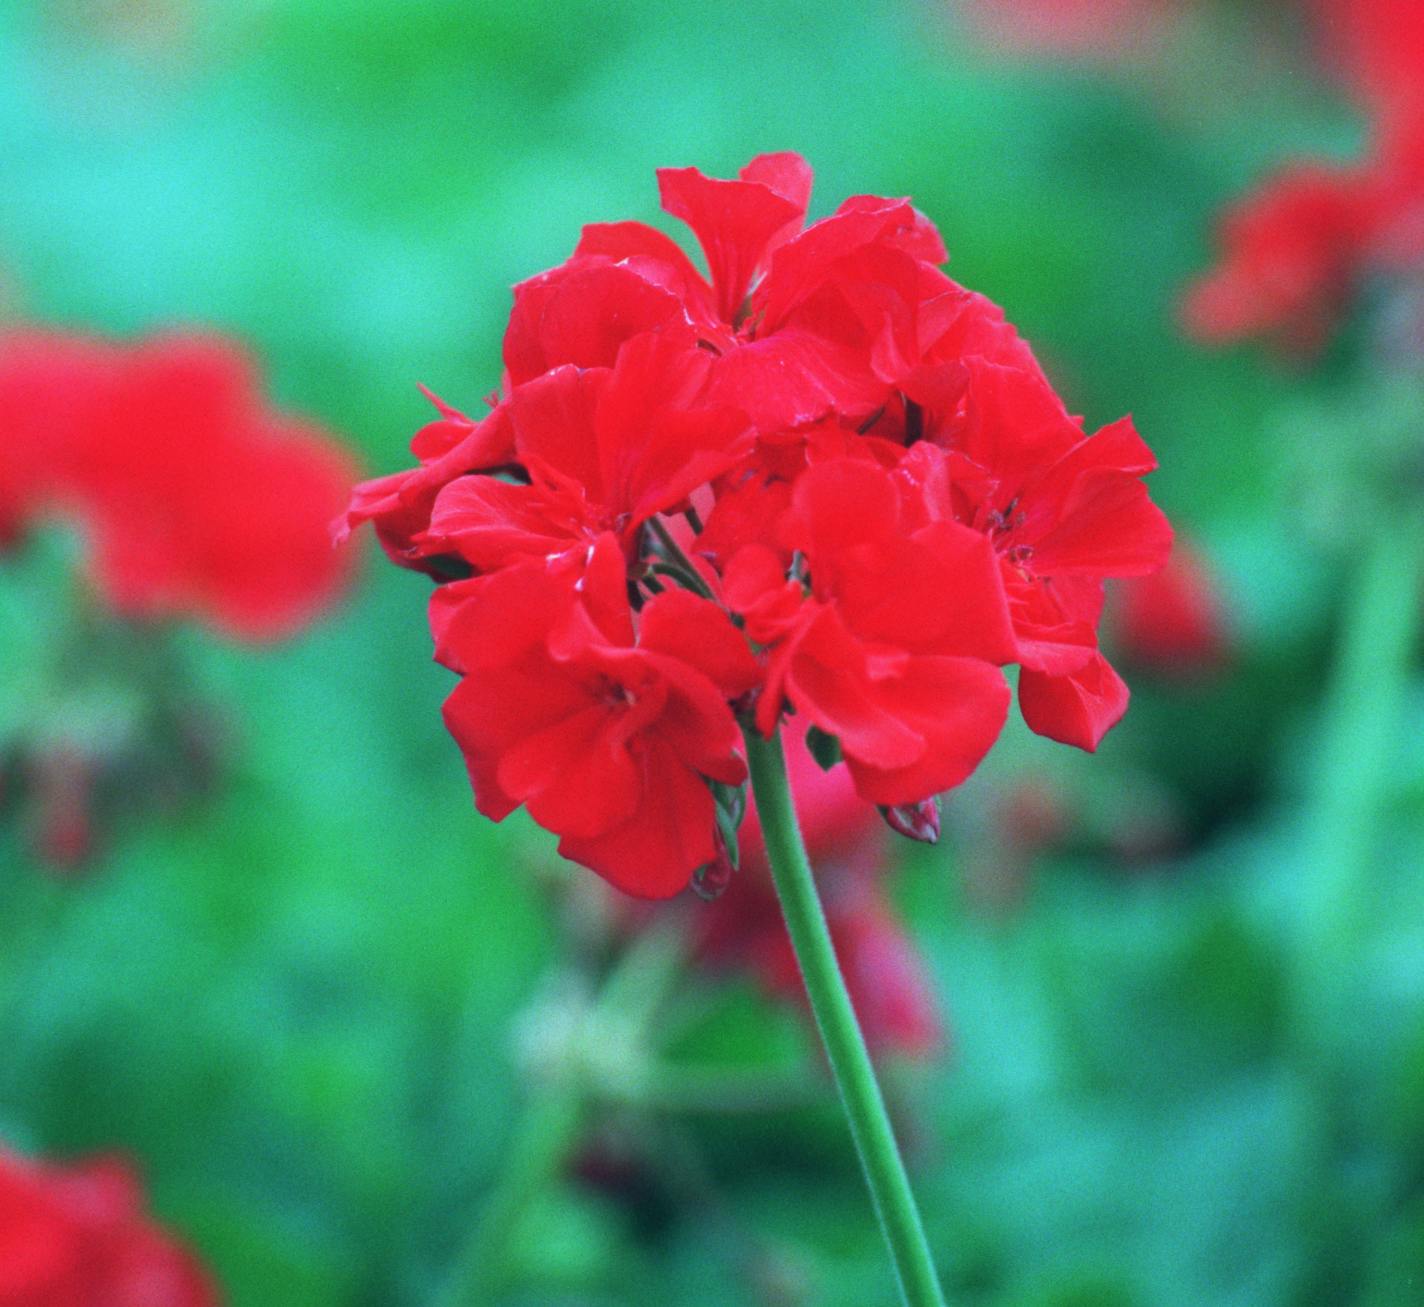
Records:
x=840, y=1031
x=1352, y=776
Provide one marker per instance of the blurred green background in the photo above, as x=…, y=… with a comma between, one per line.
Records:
x=1187, y=1061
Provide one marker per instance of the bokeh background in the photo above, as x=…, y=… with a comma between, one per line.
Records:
x=303, y=1002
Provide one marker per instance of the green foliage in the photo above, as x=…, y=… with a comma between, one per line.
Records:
x=304, y=1002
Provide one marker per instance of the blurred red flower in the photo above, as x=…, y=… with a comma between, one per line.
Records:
x=1297, y=249
x=1173, y=621
x=1377, y=47
x=1290, y=253
x=195, y=498
x=78, y=1236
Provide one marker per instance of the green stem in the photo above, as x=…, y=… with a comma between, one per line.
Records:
x=840, y=1032
x=672, y=551
x=1353, y=774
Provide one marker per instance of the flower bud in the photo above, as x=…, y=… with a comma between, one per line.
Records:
x=915, y=821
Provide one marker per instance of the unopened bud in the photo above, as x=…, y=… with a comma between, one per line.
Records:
x=710, y=881
x=915, y=821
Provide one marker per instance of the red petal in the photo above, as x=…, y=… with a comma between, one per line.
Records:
x=957, y=706
x=552, y=417
x=656, y=440
x=574, y=775
x=737, y=223
x=655, y=852
x=828, y=680
x=1077, y=709
x=688, y=627
x=580, y=314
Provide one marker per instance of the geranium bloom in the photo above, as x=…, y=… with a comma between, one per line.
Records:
x=843, y=306
x=1290, y=254
x=608, y=743
x=1296, y=250
x=78, y=1236
x=1062, y=511
x=820, y=481
x=1173, y=621
x=605, y=449
x=190, y=498
x=196, y=499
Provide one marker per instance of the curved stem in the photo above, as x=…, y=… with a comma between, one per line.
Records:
x=672, y=551
x=840, y=1031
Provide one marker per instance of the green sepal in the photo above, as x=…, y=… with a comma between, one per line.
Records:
x=825, y=749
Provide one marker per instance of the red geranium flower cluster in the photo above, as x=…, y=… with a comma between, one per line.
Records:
x=823, y=479
x=195, y=498
x=1296, y=250
x=78, y=1236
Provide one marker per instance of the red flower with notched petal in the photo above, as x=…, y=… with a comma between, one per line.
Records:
x=398, y=506
x=893, y=651
x=608, y=740
x=884, y=503
x=78, y=1236
x=604, y=450
x=1062, y=511
x=803, y=323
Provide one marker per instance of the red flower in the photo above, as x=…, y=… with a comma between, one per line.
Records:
x=399, y=506
x=1173, y=621
x=607, y=740
x=1290, y=255
x=894, y=649
x=200, y=501
x=843, y=307
x=1378, y=46
x=896, y=504
x=78, y=1237
x=604, y=449
x=1062, y=511
x=197, y=501
x=45, y=379
x=1296, y=250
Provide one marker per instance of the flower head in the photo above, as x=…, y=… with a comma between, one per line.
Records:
x=818, y=481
